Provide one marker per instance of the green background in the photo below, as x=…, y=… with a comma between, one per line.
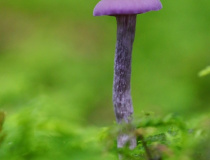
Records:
x=56, y=72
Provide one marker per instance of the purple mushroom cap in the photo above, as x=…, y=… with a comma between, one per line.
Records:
x=123, y=7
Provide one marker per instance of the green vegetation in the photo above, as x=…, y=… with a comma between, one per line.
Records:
x=166, y=138
x=56, y=72
x=205, y=72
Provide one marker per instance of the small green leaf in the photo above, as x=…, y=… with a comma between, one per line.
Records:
x=204, y=72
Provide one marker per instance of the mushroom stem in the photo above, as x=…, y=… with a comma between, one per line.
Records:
x=126, y=25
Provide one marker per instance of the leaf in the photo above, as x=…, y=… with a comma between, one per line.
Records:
x=204, y=72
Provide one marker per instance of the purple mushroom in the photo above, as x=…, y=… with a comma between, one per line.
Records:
x=125, y=12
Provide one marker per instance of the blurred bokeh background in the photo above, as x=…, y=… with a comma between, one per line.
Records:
x=56, y=67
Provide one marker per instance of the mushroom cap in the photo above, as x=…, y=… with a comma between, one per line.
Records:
x=123, y=7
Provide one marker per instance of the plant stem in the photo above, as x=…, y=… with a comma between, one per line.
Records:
x=126, y=25
x=147, y=151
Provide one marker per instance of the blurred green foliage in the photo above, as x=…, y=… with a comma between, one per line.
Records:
x=56, y=71
x=168, y=138
x=204, y=72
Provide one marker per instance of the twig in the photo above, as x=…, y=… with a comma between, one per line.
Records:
x=144, y=143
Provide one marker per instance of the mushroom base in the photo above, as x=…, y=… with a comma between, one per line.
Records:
x=122, y=74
